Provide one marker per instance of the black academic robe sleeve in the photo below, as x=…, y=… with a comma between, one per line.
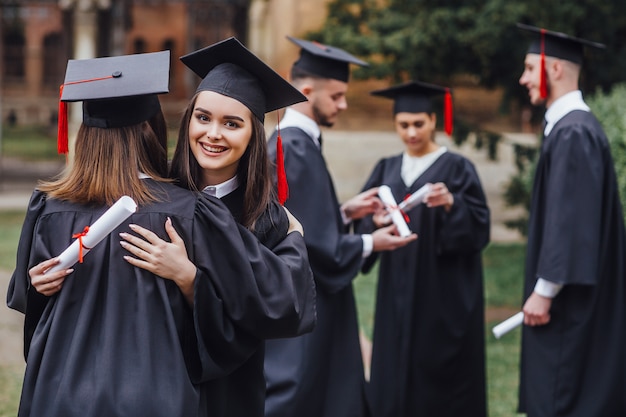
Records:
x=466, y=227
x=259, y=296
x=570, y=182
x=20, y=295
x=279, y=248
x=335, y=255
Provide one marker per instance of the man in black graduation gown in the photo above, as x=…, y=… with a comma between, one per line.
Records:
x=321, y=374
x=573, y=345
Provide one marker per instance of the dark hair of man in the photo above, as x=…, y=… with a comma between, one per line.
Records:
x=298, y=73
x=107, y=163
x=253, y=169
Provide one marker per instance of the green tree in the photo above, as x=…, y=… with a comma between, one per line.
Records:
x=435, y=40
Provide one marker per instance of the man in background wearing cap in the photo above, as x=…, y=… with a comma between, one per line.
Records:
x=321, y=373
x=573, y=345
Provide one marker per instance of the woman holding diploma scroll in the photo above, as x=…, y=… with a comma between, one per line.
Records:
x=221, y=151
x=428, y=348
x=105, y=338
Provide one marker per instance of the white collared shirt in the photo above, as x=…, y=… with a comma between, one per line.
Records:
x=223, y=189
x=294, y=118
x=414, y=166
x=562, y=106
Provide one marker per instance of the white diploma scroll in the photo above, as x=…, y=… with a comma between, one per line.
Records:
x=113, y=217
x=508, y=325
x=413, y=200
x=384, y=192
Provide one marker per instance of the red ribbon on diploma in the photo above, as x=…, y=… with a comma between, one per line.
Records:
x=80, y=242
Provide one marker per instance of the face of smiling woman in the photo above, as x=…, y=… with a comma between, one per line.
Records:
x=220, y=129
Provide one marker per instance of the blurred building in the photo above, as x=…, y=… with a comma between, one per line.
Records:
x=39, y=36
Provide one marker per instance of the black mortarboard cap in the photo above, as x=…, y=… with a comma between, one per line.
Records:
x=416, y=97
x=324, y=60
x=117, y=91
x=229, y=68
x=558, y=44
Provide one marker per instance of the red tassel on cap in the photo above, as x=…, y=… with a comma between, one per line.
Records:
x=543, y=83
x=281, y=175
x=447, y=112
x=62, y=141
x=62, y=135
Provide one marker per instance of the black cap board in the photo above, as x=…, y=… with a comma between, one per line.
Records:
x=411, y=97
x=416, y=97
x=117, y=91
x=229, y=68
x=324, y=60
x=558, y=44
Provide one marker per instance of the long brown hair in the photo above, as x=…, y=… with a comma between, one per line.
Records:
x=107, y=163
x=253, y=169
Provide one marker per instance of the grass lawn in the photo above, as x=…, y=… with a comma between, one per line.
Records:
x=10, y=227
x=37, y=143
x=503, y=277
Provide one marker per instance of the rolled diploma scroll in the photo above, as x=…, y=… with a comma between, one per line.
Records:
x=413, y=200
x=508, y=325
x=384, y=192
x=113, y=217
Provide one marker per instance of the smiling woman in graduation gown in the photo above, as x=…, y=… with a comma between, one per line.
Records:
x=222, y=151
x=428, y=344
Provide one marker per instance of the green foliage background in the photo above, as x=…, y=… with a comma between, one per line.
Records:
x=434, y=40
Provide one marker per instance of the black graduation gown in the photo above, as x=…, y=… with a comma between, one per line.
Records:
x=428, y=354
x=319, y=374
x=576, y=364
x=119, y=341
x=242, y=393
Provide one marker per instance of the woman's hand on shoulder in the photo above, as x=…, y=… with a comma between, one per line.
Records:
x=48, y=283
x=294, y=224
x=166, y=259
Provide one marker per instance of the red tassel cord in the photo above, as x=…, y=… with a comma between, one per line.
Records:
x=62, y=135
x=62, y=140
x=543, y=78
x=281, y=175
x=80, y=243
x=448, y=113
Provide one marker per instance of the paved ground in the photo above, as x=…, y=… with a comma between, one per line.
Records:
x=350, y=156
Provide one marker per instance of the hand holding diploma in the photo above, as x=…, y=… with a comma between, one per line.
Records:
x=92, y=235
x=508, y=325
x=384, y=192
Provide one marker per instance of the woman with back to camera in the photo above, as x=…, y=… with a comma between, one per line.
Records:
x=104, y=337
